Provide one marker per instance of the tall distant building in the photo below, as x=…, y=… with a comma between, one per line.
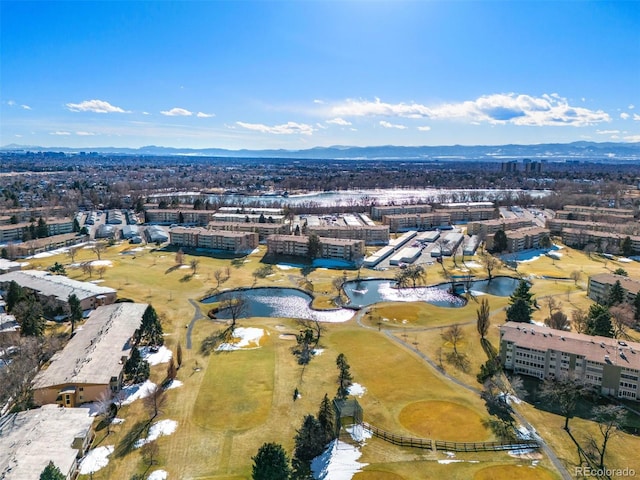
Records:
x=528, y=166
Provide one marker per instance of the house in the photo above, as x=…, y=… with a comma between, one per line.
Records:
x=91, y=364
x=610, y=365
x=31, y=439
x=58, y=288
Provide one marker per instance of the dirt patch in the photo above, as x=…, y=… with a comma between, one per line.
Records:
x=443, y=421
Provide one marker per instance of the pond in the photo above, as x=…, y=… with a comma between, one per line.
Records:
x=277, y=302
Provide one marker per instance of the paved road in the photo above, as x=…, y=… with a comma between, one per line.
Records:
x=564, y=473
x=197, y=315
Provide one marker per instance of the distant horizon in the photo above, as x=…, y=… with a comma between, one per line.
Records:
x=265, y=75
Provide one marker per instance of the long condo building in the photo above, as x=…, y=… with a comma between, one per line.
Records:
x=609, y=365
x=600, y=285
x=370, y=234
x=298, y=245
x=213, y=239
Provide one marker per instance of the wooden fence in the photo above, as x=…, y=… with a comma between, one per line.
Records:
x=449, y=446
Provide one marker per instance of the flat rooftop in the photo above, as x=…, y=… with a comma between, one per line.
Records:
x=30, y=440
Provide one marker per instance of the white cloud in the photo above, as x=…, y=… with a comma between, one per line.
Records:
x=319, y=102
x=636, y=117
x=339, y=121
x=632, y=138
x=426, y=128
x=631, y=106
x=391, y=125
x=96, y=106
x=624, y=115
x=607, y=132
x=177, y=112
x=85, y=134
x=284, y=129
x=146, y=113
x=26, y=107
x=321, y=126
x=60, y=133
x=502, y=108
x=11, y=103
x=205, y=115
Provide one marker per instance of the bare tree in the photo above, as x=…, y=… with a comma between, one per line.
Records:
x=552, y=304
x=576, y=275
x=172, y=371
x=179, y=257
x=106, y=409
x=558, y=321
x=72, y=252
x=156, y=401
x=150, y=452
x=579, y=319
x=610, y=419
x=87, y=268
x=454, y=336
x=194, y=265
x=490, y=264
x=99, y=248
x=622, y=318
x=218, y=274
x=564, y=392
x=237, y=305
x=316, y=326
x=179, y=356
x=101, y=270
x=483, y=321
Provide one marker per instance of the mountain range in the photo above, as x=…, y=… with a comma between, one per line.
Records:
x=583, y=151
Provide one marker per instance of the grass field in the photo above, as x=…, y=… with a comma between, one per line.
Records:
x=231, y=403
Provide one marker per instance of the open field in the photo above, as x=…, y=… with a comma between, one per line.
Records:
x=230, y=403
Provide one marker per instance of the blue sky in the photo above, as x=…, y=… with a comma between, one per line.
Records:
x=277, y=74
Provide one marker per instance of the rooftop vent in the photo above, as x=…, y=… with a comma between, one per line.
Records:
x=562, y=338
x=602, y=344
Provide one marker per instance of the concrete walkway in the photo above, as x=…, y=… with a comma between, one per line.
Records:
x=197, y=315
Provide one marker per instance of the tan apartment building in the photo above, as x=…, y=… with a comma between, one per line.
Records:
x=31, y=439
x=58, y=288
x=600, y=285
x=574, y=237
x=55, y=226
x=370, y=234
x=609, y=365
x=178, y=216
x=581, y=212
x=379, y=211
x=521, y=239
x=488, y=227
x=262, y=229
x=26, y=214
x=213, y=239
x=40, y=245
x=91, y=365
x=247, y=217
x=557, y=225
x=461, y=215
x=298, y=245
x=416, y=221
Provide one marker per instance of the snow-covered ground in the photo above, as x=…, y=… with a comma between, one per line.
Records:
x=102, y=263
x=158, y=475
x=95, y=459
x=157, y=430
x=338, y=462
x=163, y=355
x=318, y=351
x=247, y=337
x=356, y=390
x=174, y=384
x=134, y=392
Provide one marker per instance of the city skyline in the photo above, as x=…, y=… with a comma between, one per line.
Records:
x=296, y=75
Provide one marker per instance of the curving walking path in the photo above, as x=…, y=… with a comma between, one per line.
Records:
x=197, y=315
x=564, y=473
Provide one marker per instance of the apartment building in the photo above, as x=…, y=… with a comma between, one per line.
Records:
x=335, y=248
x=379, y=211
x=168, y=217
x=520, y=239
x=600, y=284
x=462, y=215
x=262, y=229
x=557, y=225
x=247, y=217
x=488, y=227
x=416, y=221
x=213, y=239
x=40, y=245
x=574, y=237
x=55, y=226
x=371, y=235
x=609, y=365
x=581, y=212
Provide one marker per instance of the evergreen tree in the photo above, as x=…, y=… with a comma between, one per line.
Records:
x=42, y=230
x=344, y=376
x=270, y=463
x=28, y=313
x=262, y=218
x=599, y=321
x=499, y=241
x=521, y=301
x=626, y=247
x=616, y=294
x=314, y=248
x=636, y=306
x=483, y=322
x=326, y=417
x=309, y=443
x=75, y=311
x=150, y=332
x=51, y=472
x=15, y=293
x=136, y=369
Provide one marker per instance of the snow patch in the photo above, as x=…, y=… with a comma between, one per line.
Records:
x=158, y=475
x=247, y=337
x=356, y=390
x=318, y=351
x=95, y=459
x=337, y=462
x=157, y=430
x=174, y=384
x=137, y=391
x=284, y=267
x=358, y=433
x=102, y=263
x=117, y=421
x=163, y=355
